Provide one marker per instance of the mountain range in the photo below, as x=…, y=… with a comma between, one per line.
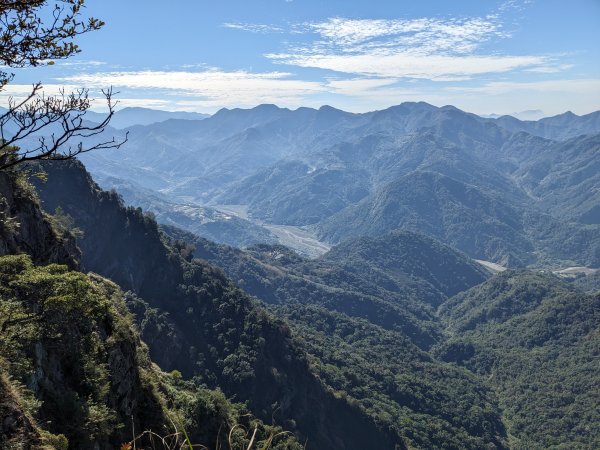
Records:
x=512, y=192
x=168, y=304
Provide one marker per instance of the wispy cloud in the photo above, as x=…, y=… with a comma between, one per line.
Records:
x=422, y=36
x=74, y=63
x=423, y=48
x=20, y=91
x=254, y=27
x=551, y=68
x=358, y=86
x=408, y=65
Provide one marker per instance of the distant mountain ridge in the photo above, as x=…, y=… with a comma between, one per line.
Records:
x=132, y=116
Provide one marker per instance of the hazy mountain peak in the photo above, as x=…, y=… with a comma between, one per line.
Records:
x=330, y=111
x=419, y=105
x=567, y=115
x=407, y=108
x=222, y=111
x=530, y=114
x=267, y=107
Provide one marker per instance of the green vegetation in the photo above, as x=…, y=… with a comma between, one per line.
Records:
x=589, y=283
x=64, y=338
x=430, y=404
x=200, y=220
x=471, y=218
x=495, y=330
x=401, y=254
x=480, y=221
x=115, y=333
x=400, y=296
x=72, y=354
x=361, y=313
x=535, y=338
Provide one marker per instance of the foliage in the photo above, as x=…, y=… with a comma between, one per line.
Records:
x=359, y=351
x=207, y=417
x=364, y=322
x=69, y=338
x=394, y=281
x=58, y=336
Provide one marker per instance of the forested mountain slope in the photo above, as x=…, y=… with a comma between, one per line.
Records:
x=475, y=221
x=401, y=253
x=198, y=322
x=479, y=222
x=394, y=338
x=397, y=288
x=529, y=337
x=537, y=340
x=208, y=222
x=73, y=371
x=365, y=313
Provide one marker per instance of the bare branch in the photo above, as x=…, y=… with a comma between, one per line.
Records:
x=58, y=123
x=33, y=33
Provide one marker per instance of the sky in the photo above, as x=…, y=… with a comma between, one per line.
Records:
x=483, y=56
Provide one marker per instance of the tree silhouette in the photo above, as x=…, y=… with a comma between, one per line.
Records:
x=34, y=33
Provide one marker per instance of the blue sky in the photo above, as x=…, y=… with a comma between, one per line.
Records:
x=483, y=56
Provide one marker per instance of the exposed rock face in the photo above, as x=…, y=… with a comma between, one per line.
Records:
x=76, y=352
x=25, y=229
x=57, y=363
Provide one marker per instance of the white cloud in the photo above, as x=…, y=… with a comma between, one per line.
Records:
x=91, y=63
x=425, y=35
x=209, y=88
x=409, y=65
x=551, y=68
x=143, y=103
x=358, y=86
x=20, y=91
x=426, y=48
